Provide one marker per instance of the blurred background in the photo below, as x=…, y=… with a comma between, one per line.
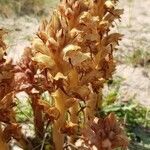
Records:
x=128, y=92
x=25, y=7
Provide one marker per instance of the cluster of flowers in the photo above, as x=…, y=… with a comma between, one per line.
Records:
x=71, y=58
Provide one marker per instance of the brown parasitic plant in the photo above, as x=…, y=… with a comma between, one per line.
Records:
x=71, y=58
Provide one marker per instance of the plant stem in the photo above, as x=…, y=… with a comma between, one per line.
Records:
x=74, y=119
x=91, y=107
x=38, y=118
x=3, y=144
x=58, y=138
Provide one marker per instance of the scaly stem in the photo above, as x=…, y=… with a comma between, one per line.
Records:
x=73, y=77
x=58, y=138
x=74, y=119
x=3, y=144
x=38, y=119
x=91, y=107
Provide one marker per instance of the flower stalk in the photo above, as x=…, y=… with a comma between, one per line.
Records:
x=59, y=99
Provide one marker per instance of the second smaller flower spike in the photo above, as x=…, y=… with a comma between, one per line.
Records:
x=105, y=133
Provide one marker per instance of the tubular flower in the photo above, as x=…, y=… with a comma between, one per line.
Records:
x=6, y=68
x=28, y=78
x=6, y=87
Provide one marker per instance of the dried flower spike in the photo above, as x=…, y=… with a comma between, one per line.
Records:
x=76, y=48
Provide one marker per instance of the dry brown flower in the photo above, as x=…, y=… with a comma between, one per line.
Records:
x=6, y=105
x=105, y=134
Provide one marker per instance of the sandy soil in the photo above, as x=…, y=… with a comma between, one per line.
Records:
x=135, y=26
